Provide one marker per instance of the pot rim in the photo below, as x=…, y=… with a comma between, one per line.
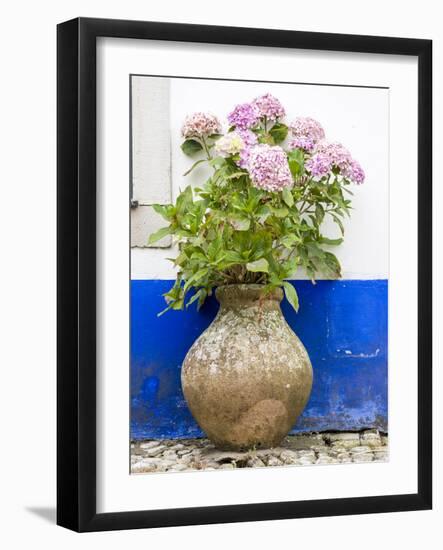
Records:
x=249, y=292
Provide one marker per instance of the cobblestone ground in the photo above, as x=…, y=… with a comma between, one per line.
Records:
x=172, y=455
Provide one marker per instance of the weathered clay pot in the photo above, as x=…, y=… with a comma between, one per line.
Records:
x=247, y=377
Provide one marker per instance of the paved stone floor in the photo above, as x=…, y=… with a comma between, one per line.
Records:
x=172, y=455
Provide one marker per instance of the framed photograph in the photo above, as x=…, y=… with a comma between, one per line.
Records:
x=244, y=274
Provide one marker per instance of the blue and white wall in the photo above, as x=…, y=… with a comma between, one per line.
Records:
x=343, y=324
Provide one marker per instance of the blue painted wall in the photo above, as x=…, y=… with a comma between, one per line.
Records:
x=343, y=325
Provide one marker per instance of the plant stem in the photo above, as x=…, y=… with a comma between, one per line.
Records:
x=208, y=154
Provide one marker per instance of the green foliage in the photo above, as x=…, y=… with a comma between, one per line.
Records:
x=296, y=162
x=278, y=132
x=159, y=235
x=191, y=146
x=229, y=232
x=291, y=294
x=260, y=265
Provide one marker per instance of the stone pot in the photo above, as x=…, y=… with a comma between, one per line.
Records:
x=248, y=377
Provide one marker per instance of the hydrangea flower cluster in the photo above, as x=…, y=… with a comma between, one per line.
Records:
x=319, y=165
x=244, y=116
x=302, y=142
x=229, y=145
x=200, y=125
x=255, y=148
x=338, y=155
x=334, y=155
x=355, y=172
x=306, y=133
x=270, y=107
x=268, y=168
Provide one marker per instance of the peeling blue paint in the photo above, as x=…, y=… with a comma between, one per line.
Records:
x=343, y=325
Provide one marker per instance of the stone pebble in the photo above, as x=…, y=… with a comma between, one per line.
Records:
x=298, y=450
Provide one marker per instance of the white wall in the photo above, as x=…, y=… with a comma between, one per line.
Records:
x=357, y=117
x=27, y=354
x=151, y=156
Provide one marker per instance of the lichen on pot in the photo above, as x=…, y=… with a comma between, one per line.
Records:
x=248, y=377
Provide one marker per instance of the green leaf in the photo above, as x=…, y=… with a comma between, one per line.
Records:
x=347, y=191
x=279, y=212
x=233, y=257
x=332, y=264
x=279, y=132
x=266, y=138
x=305, y=227
x=180, y=259
x=178, y=304
x=193, y=166
x=197, y=296
x=173, y=297
x=296, y=161
x=288, y=241
x=338, y=221
x=259, y=265
x=202, y=297
x=198, y=255
x=236, y=175
x=239, y=223
x=291, y=294
x=159, y=235
x=191, y=146
x=319, y=213
x=184, y=200
x=163, y=311
x=296, y=154
x=294, y=167
x=184, y=233
x=290, y=267
x=195, y=278
x=333, y=242
x=165, y=210
x=262, y=213
x=174, y=293
x=214, y=248
x=217, y=161
x=287, y=197
x=315, y=251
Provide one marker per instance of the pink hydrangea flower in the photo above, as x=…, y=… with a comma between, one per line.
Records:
x=269, y=106
x=319, y=165
x=354, y=172
x=336, y=152
x=330, y=155
x=244, y=116
x=307, y=132
x=200, y=125
x=268, y=168
x=249, y=139
x=302, y=142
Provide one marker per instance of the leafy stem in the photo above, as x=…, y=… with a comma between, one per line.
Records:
x=206, y=148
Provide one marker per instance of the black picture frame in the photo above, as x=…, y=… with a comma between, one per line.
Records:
x=76, y=281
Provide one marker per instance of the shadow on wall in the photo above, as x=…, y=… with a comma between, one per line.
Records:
x=343, y=325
